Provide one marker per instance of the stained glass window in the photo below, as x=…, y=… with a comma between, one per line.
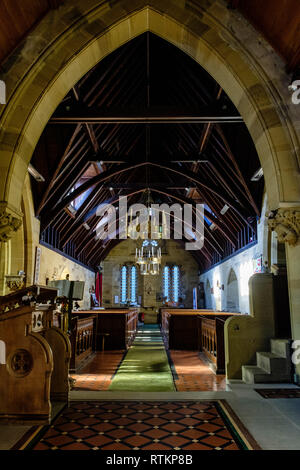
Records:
x=133, y=277
x=171, y=283
x=175, y=283
x=128, y=284
x=123, y=284
x=166, y=283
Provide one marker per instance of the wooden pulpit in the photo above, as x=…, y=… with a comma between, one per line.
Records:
x=35, y=356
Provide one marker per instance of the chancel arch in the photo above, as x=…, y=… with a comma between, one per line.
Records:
x=230, y=69
x=207, y=32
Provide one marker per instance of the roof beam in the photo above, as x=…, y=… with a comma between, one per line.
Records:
x=205, y=114
x=58, y=167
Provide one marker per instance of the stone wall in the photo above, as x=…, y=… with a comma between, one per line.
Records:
x=217, y=286
x=148, y=286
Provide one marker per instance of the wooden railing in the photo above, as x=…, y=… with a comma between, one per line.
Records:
x=212, y=341
x=82, y=339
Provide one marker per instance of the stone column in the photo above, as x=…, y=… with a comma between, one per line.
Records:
x=10, y=222
x=286, y=223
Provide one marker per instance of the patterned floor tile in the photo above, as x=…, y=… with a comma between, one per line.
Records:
x=278, y=392
x=189, y=429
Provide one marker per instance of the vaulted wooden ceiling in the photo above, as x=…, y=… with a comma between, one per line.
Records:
x=276, y=20
x=146, y=117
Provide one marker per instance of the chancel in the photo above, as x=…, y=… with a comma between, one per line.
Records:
x=149, y=226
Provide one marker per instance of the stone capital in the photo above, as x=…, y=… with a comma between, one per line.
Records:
x=286, y=223
x=10, y=222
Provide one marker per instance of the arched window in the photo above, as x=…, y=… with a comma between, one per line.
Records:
x=175, y=283
x=166, y=283
x=128, y=284
x=171, y=283
x=123, y=284
x=133, y=279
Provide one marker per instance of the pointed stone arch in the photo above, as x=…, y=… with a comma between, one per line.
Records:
x=45, y=70
x=232, y=298
x=208, y=296
x=68, y=42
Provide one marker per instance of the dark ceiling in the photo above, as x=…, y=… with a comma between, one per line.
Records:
x=277, y=21
x=104, y=141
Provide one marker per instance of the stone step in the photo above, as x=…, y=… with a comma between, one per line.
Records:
x=281, y=347
x=272, y=363
x=255, y=374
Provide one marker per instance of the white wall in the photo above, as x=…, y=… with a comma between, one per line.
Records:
x=55, y=266
x=243, y=265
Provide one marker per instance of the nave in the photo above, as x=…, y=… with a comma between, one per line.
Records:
x=149, y=224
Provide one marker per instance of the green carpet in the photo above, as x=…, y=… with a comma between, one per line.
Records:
x=145, y=367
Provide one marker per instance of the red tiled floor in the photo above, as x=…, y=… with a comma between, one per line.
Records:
x=194, y=374
x=185, y=432
x=98, y=373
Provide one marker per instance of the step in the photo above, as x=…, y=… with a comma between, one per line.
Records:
x=272, y=363
x=281, y=347
x=255, y=375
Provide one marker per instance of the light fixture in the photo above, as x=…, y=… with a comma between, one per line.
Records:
x=86, y=226
x=148, y=257
x=224, y=210
x=151, y=229
x=37, y=176
x=72, y=210
x=257, y=175
x=212, y=226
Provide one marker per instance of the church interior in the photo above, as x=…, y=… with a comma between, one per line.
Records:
x=149, y=225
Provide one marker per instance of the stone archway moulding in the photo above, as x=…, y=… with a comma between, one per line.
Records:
x=73, y=39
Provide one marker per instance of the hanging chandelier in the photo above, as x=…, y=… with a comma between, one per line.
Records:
x=148, y=257
x=148, y=253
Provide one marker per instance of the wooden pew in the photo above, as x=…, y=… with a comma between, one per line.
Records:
x=180, y=327
x=37, y=356
x=115, y=329
x=211, y=339
x=82, y=341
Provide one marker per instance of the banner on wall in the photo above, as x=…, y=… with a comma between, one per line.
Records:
x=257, y=264
x=37, y=265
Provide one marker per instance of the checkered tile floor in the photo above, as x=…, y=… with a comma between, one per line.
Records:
x=139, y=426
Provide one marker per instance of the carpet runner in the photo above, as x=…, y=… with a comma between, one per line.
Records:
x=145, y=367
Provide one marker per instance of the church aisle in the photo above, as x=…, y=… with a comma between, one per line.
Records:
x=145, y=367
x=191, y=373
